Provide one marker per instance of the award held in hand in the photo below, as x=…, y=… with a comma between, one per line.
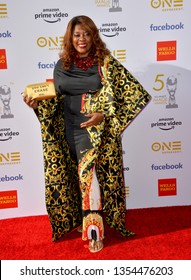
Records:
x=41, y=91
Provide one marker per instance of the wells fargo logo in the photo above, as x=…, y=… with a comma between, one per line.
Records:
x=3, y=10
x=51, y=43
x=3, y=59
x=8, y=199
x=167, y=147
x=167, y=187
x=167, y=5
x=166, y=50
x=9, y=158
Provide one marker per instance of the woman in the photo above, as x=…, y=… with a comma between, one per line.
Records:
x=96, y=100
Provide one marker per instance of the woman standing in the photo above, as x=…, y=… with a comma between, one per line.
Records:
x=97, y=98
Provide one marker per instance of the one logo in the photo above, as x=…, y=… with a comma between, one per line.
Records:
x=52, y=43
x=166, y=166
x=166, y=124
x=127, y=191
x=3, y=59
x=115, y=6
x=3, y=10
x=167, y=5
x=167, y=147
x=166, y=50
x=167, y=187
x=171, y=85
x=10, y=158
x=5, y=97
x=51, y=15
x=7, y=134
x=120, y=55
x=8, y=199
x=111, y=29
x=167, y=27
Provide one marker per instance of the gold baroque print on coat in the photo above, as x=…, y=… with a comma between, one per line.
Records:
x=121, y=99
x=62, y=193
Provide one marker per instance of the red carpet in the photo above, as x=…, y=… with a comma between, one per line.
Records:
x=162, y=234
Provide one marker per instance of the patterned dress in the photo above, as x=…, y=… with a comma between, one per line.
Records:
x=77, y=85
x=75, y=160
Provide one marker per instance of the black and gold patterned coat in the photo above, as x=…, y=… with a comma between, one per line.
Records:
x=121, y=98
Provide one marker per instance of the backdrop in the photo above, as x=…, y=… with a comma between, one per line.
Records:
x=151, y=38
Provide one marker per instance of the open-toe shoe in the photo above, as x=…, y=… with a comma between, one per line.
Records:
x=95, y=246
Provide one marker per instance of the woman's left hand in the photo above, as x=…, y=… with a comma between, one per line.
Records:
x=95, y=118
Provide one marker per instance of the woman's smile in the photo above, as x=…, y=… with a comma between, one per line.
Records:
x=82, y=41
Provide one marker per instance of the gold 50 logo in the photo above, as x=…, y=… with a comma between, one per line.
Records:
x=159, y=85
x=51, y=43
x=170, y=85
x=167, y=5
x=159, y=82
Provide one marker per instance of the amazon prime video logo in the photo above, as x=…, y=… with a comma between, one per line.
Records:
x=7, y=134
x=166, y=124
x=51, y=15
x=111, y=29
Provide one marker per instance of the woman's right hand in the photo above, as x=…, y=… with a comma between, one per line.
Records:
x=32, y=103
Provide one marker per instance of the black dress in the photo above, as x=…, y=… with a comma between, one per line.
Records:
x=76, y=84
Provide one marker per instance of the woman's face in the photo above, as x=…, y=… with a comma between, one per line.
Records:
x=82, y=40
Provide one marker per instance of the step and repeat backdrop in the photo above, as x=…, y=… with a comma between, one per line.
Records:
x=151, y=38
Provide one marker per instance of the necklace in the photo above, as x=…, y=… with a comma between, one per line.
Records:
x=83, y=62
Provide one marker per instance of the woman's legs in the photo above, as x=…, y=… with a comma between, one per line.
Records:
x=92, y=227
x=86, y=155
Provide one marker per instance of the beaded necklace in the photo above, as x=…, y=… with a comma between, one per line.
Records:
x=84, y=62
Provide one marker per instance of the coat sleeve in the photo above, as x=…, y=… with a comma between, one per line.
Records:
x=124, y=97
